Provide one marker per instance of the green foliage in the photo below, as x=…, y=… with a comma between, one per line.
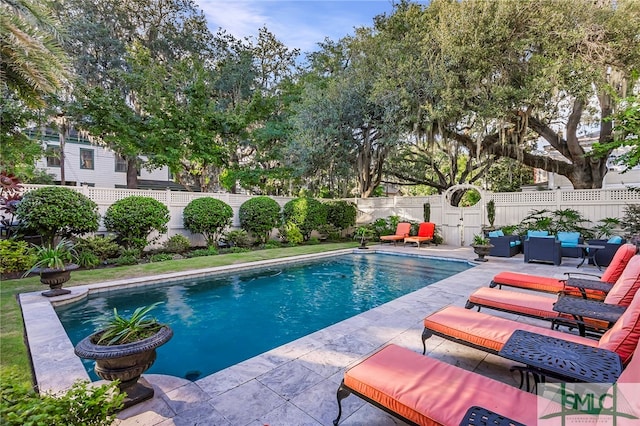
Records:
x=342, y=214
x=491, y=211
x=160, y=257
x=260, y=215
x=18, y=153
x=83, y=404
x=120, y=330
x=568, y=220
x=313, y=240
x=57, y=211
x=125, y=260
x=134, y=218
x=177, y=244
x=87, y=259
x=480, y=240
x=15, y=256
x=631, y=220
x=209, y=251
x=272, y=244
x=426, y=212
x=238, y=250
x=330, y=232
x=239, y=238
x=606, y=227
x=306, y=213
x=57, y=257
x=207, y=216
x=290, y=233
x=103, y=247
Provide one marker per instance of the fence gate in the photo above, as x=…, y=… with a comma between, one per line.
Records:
x=460, y=224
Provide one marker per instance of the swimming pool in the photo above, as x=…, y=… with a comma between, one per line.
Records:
x=222, y=320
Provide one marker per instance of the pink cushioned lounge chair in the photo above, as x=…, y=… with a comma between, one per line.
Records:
x=541, y=306
x=402, y=231
x=424, y=391
x=555, y=285
x=490, y=333
x=425, y=234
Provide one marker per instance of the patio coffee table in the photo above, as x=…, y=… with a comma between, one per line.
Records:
x=546, y=356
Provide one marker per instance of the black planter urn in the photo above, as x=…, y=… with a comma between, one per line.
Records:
x=482, y=251
x=54, y=278
x=125, y=362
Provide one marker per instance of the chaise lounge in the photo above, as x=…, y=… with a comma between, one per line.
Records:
x=420, y=390
x=425, y=234
x=556, y=285
x=402, y=231
x=542, y=306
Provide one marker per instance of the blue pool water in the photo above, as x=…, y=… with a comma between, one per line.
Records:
x=219, y=321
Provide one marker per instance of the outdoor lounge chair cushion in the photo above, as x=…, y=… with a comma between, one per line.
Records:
x=498, y=233
x=402, y=230
x=537, y=233
x=491, y=333
x=430, y=392
x=425, y=233
x=569, y=239
x=624, y=290
x=485, y=331
x=618, y=263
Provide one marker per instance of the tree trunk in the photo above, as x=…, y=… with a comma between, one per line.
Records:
x=132, y=172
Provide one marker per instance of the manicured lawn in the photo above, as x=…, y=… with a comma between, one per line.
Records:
x=13, y=352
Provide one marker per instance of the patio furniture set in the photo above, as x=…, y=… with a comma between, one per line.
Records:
x=424, y=391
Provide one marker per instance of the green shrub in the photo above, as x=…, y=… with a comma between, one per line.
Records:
x=259, y=216
x=125, y=260
x=290, y=234
x=103, y=247
x=209, y=251
x=134, y=218
x=87, y=259
x=82, y=404
x=57, y=211
x=306, y=213
x=237, y=250
x=209, y=217
x=15, y=256
x=272, y=244
x=341, y=214
x=313, y=241
x=239, y=238
x=177, y=244
x=631, y=220
x=160, y=257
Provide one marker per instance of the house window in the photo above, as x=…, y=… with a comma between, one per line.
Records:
x=53, y=156
x=121, y=164
x=86, y=158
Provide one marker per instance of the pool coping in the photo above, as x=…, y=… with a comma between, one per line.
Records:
x=56, y=367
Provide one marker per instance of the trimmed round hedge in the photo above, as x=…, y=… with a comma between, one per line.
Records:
x=259, y=216
x=134, y=218
x=57, y=211
x=306, y=213
x=207, y=216
x=341, y=214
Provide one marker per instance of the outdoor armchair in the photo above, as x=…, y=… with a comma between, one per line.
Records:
x=504, y=245
x=543, y=249
x=603, y=257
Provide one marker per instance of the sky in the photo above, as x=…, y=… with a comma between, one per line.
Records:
x=296, y=23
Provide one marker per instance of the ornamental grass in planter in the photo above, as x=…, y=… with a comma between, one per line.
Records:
x=54, y=265
x=124, y=349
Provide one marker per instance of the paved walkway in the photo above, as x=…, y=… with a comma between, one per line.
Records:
x=296, y=384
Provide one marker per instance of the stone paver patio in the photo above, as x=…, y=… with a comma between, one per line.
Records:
x=294, y=384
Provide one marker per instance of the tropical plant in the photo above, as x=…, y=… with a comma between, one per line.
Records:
x=103, y=247
x=57, y=257
x=239, y=238
x=134, y=218
x=259, y=215
x=121, y=330
x=207, y=216
x=606, y=227
x=631, y=220
x=57, y=211
x=480, y=240
x=306, y=213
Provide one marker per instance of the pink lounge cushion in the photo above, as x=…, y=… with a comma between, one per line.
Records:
x=532, y=282
x=487, y=331
x=619, y=262
x=627, y=285
x=534, y=305
x=431, y=392
x=402, y=230
x=624, y=335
